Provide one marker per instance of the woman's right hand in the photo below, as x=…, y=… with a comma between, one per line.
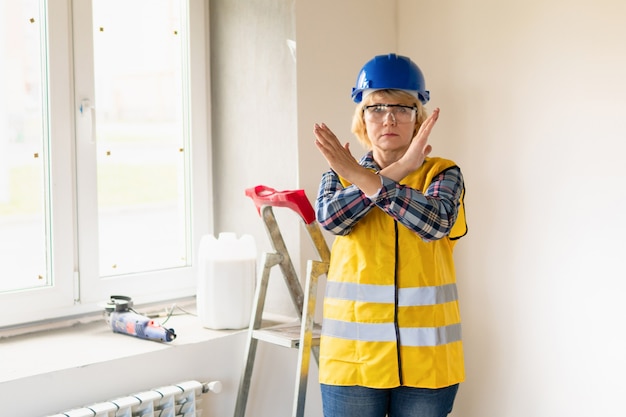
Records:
x=342, y=162
x=338, y=156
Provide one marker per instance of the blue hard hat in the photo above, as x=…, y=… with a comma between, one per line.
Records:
x=391, y=72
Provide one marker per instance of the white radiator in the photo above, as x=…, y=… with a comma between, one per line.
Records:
x=178, y=400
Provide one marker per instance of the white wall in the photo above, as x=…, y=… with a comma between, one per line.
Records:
x=254, y=118
x=532, y=97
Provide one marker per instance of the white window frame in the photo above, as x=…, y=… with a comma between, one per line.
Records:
x=76, y=288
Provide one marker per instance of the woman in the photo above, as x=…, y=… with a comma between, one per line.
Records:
x=391, y=335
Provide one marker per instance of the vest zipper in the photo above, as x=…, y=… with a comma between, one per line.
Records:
x=395, y=314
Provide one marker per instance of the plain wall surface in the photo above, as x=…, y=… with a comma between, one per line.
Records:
x=532, y=98
x=253, y=83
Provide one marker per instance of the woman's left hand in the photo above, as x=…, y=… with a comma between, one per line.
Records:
x=419, y=148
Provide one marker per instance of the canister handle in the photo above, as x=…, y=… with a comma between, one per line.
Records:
x=296, y=200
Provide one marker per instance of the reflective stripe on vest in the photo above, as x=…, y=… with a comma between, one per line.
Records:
x=386, y=332
x=407, y=297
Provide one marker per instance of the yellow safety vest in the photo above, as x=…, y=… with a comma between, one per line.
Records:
x=391, y=313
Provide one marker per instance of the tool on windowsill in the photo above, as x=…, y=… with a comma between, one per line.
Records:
x=123, y=319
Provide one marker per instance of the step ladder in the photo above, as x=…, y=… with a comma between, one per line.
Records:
x=304, y=335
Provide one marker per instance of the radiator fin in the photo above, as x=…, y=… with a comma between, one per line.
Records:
x=177, y=400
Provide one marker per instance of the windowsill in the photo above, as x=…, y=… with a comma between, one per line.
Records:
x=94, y=342
x=84, y=344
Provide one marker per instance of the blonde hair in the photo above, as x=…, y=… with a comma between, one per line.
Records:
x=359, y=128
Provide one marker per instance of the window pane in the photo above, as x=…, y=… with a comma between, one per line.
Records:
x=141, y=135
x=23, y=149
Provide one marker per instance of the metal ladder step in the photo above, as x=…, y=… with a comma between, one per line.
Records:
x=286, y=335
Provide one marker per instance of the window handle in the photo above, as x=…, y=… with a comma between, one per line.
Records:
x=87, y=110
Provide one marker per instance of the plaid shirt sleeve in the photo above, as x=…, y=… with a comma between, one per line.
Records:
x=337, y=208
x=430, y=214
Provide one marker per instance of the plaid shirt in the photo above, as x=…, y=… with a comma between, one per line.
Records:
x=430, y=214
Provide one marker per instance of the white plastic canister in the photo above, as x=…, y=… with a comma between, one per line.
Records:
x=226, y=281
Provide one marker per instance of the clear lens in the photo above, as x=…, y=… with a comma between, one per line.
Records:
x=401, y=114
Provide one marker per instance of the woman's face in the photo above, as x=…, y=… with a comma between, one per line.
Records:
x=390, y=135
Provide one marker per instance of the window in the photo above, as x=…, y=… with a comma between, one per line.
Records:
x=104, y=162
